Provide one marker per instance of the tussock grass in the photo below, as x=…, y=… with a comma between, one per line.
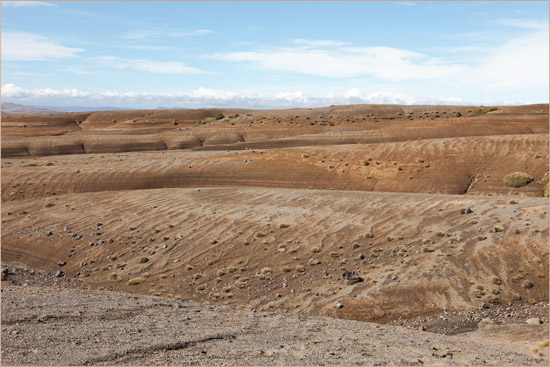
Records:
x=517, y=179
x=136, y=281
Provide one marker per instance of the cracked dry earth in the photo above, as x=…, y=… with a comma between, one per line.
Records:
x=83, y=326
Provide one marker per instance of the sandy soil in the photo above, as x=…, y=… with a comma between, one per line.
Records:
x=327, y=218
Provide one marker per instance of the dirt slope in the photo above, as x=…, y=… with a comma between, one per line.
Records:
x=421, y=255
x=144, y=330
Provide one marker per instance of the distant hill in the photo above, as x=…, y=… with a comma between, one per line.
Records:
x=8, y=107
x=20, y=108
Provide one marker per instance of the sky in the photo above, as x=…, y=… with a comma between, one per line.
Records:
x=273, y=54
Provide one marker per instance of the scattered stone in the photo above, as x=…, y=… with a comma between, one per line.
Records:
x=338, y=305
x=66, y=228
x=59, y=273
x=61, y=263
x=361, y=257
x=466, y=211
x=50, y=233
x=213, y=242
x=76, y=170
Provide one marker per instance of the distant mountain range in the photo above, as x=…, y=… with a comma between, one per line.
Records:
x=8, y=107
x=19, y=108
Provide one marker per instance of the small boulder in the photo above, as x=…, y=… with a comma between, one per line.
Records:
x=59, y=273
x=533, y=321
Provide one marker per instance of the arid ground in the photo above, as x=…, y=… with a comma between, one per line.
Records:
x=362, y=234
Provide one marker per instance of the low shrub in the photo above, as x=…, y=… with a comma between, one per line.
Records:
x=517, y=179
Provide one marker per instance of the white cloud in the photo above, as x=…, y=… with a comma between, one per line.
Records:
x=319, y=43
x=18, y=46
x=520, y=64
x=12, y=91
x=26, y=4
x=198, y=32
x=204, y=97
x=155, y=33
x=158, y=67
x=521, y=23
x=138, y=34
x=150, y=47
x=381, y=62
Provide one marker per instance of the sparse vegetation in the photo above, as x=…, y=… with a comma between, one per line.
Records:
x=517, y=179
x=208, y=120
x=483, y=112
x=143, y=260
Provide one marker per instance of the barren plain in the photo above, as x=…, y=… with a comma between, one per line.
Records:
x=362, y=234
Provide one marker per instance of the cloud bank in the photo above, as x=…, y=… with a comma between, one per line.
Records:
x=203, y=97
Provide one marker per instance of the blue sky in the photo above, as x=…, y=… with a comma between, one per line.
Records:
x=273, y=54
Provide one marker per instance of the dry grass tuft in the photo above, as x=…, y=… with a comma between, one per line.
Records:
x=136, y=281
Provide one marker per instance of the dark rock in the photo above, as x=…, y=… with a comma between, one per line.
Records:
x=213, y=242
x=466, y=211
x=59, y=273
x=361, y=257
x=352, y=277
x=61, y=263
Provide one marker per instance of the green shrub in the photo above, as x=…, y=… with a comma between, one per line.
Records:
x=517, y=179
x=483, y=112
x=208, y=120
